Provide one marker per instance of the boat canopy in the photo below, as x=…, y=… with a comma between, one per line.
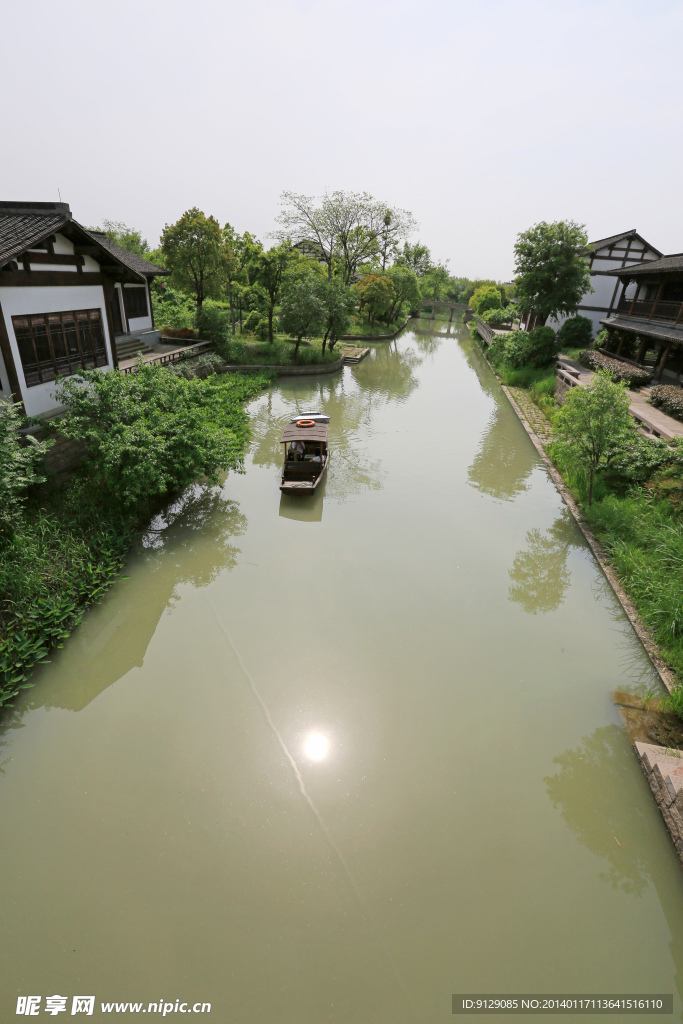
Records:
x=318, y=432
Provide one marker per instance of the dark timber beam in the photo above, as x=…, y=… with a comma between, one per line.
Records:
x=642, y=350
x=6, y=350
x=662, y=362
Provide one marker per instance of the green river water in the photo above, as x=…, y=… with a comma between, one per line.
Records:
x=338, y=758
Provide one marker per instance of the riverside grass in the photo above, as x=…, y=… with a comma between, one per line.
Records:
x=71, y=542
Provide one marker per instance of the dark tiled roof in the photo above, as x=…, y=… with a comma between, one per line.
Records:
x=646, y=328
x=25, y=224
x=612, y=240
x=667, y=265
x=138, y=264
x=604, y=243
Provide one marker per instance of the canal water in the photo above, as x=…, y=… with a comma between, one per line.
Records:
x=336, y=759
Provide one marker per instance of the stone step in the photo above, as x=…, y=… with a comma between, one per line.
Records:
x=131, y=347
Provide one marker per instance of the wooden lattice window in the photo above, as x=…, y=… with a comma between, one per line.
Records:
x=59, y=344
x=136, y=302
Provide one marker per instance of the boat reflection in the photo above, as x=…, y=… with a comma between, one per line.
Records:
x=308, y=509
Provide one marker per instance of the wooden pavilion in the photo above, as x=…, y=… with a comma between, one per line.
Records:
x=650, y=310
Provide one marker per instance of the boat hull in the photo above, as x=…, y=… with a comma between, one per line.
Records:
x=301, y=488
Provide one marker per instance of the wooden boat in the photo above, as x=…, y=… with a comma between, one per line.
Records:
x=306, y=454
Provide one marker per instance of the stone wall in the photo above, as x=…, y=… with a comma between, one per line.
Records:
x=664, y=771
x=63, y=457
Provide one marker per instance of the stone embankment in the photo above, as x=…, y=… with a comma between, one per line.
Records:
x=663, y=769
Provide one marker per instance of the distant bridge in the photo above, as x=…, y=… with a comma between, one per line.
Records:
x=433, y=304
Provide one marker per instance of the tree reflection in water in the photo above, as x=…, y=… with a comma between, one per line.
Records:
x=593, y=790
x=505, y=458
x=539, y=577
x=350, y=400
x=188, y=543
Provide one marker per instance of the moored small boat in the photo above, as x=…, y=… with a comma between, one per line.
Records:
x=306, y=453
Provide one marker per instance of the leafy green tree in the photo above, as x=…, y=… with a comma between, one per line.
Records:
x=592, y=424
x=344, y=230
x=376, y=294
x=485, y=297
x=19, y=466
x=338, y=305
x=415, y=257
x=396, y=225
x=552, y=272
x=129, y=239
x=436, y=282
x=150, y=433
x=193, y=250
x=302, y=312
x=270, y=267
x=233, y=266
x=407, y=291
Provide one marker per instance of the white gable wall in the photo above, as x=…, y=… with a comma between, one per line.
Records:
x=139, y=323
x=595, y=305
x=23, y=301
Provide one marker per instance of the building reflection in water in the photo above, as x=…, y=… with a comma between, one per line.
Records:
x=539, y=577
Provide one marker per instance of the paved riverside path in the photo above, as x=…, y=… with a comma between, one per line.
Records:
x=652, y=421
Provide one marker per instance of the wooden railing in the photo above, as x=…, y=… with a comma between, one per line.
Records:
x=188, y=352
x=485, y=331
x=651, y=309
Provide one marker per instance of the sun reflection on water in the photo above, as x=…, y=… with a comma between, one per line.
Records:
x=316, y=746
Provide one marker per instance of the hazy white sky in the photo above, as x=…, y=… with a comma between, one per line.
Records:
x=480, y=117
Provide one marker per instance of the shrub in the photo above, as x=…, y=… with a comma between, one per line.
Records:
x=252, y=321
x=19, y=466
x=498, y=317
x=151, y=432
x=262, y=329
x=669, y=399
x=213, y=322
x=180, y=333
x=496, y=350
x=173, y=309
x=642, y=456
x=192, y=366
x=575, y=332
x=536, y=348
x=486, y=297
x=634, y=376
x=601, y=339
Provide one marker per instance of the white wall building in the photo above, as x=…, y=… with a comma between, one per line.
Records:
x=65, y=294
x=605, y=256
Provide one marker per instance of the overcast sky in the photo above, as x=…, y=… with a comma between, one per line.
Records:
x=481, y=118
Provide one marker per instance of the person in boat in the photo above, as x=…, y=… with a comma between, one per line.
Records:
x=297, y=449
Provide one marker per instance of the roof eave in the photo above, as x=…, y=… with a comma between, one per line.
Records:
x=35, y=241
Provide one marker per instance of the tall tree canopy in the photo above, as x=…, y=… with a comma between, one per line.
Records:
x=552, y=272
x=193, y=250
x=128, y=238
x=269, y=268
x=416, y=257
x=344, y=229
